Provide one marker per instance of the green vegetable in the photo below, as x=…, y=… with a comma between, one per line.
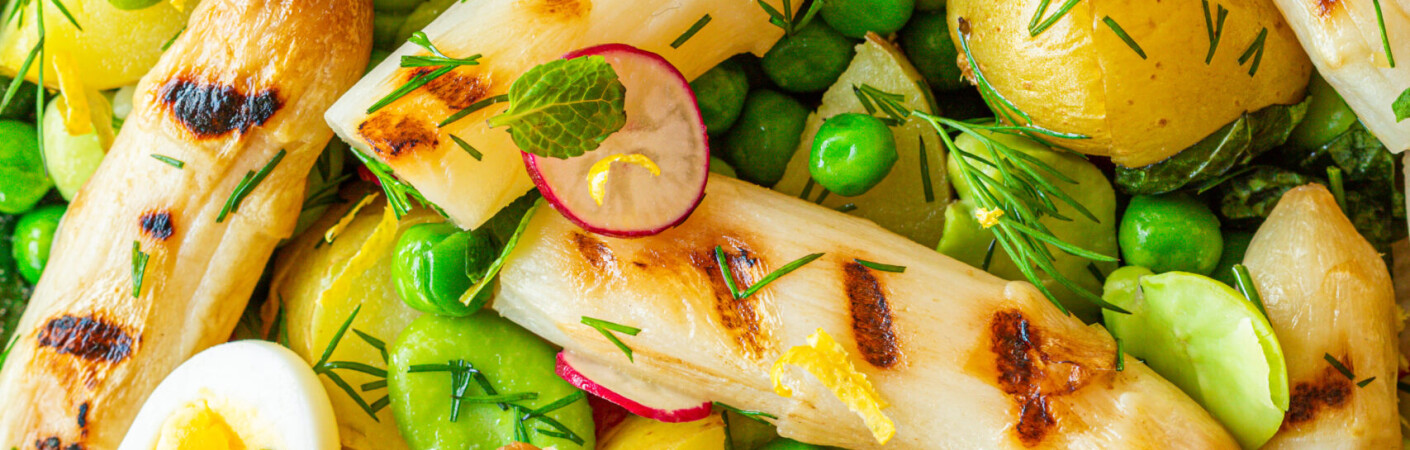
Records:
x=71, y=159
x=1328, y=116
x=1233, y=145
x=1172, y=232
x=721, y=167
x=788, y=444
x=810, y=60
x=856, y=18
x=753, y=67
x=852, y=153
x=14, y=293
x=321, y=191
x=130, y=5
x=720, y=94
x=422, y=16
x=929, y=5
x=564, y=108
x=382, y=6
x=436, y=263
x=34, y=234
x=1401, y=106
x=422, y=381
x=927, y=43
x=964, y=239
x=1210, y=341
x=386, y=30
x=765, y=136
x=1248, y=199
x=22, y=178
x=1235, y=245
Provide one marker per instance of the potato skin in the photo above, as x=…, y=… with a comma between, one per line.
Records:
x=1080, y=77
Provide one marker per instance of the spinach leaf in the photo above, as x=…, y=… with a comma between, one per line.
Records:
x=1248, y=199
x=1236, y=144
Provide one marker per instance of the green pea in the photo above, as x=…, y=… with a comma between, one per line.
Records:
x=511, y=359
x=21, y=107
x=720, y=94
x=852, y=152
x=386, y=30
x=927, y=43
x=436, y=263
x=1235, y=245
x=34, y=234
x=130, y=5
x=765, y=136
x=1328, y=116
x=1172, y=232
x=71, y=159
x=721, y=167
x=855, y=18
x=395, y=5
x=423, y=15
x=810, y=60
x=930, y=5
x=22, y=179
x=788, y=444
x=753, y=67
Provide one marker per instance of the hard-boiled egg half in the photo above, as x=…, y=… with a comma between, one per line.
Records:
x=236, y=396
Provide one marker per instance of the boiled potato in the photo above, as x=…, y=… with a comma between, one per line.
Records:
x=1080, y=76
x=115, y=47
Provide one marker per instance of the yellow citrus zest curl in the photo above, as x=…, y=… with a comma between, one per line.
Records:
x=597, y=175
x=347, y=218
x=84, y=111
x=826, y=360
x=988, y=217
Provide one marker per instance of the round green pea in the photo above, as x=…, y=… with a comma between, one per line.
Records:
x=130, y=5
x=435, y=263
x=788, y=444
x=926, y=40
x=720, y=94
x=810, y=60
x=510, y=359
x=1328, y=116
x=22, y=179
x=1171, y=232
x=765, y=136
x=34, y=234
x=852, y=152
x=856, y=18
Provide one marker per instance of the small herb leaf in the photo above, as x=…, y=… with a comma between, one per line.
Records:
x=1402, y=106
x=565, y=108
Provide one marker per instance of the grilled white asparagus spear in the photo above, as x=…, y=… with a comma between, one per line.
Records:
x=513, y=36
x=246, y=82
x=966, y=360
x=1344, y=39
x=1328, y=293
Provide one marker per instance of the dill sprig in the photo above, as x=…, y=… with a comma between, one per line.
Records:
x=607, y=329
x=785, y=18
x=1215, y=27
x=327, y=368
x=461, y=374
x=139, y=267
x=770, y=278
x=247, y=185
x=1004, y=109
x=882, y=267
x=1038, y=24
x=523, y=414
x=1385, y=37
x=1121, y=33
x=1255, y=50
x=443, y=64
x=1363, y=383
x=690, y=33
x=1336, y=364
x=398, y=192
x=874, y=100
x=1244, y=281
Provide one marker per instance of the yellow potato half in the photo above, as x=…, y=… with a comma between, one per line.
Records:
x=1080, y=76
x=114, y=49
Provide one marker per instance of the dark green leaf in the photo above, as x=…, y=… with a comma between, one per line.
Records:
x=565, y=108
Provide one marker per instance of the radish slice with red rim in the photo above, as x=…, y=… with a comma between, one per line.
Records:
x=641, y=398
x=651, y=174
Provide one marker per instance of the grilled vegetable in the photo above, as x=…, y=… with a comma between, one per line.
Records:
x=1330, y=301
x=407, y=136
x=158, y=249
x=939, y=333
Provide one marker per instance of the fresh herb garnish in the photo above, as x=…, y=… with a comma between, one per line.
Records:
x=413, y=84
x=1120, y=355
x=1096, y=273
x=443, y=64
x=1385, y=37
x=169, y=160
x=461, y=374
x=822, y=196
x=1255, y=50
x=473, y=108
x=755, y=415
x=928, y=190
x=785, y=19
x=564, y=108
x=874, y=100
x=1363, y=383
x=1004, y=109
x=807, y=189
x=1035, y=27
x=166, y=45
x=247, y=185
x=729, y=434
x=880, y=266
x=1244, y=282
x=1121, y=33
x=690, y=33
x=472, y=295
x=1215, y=29
x=989, y=255
x=467, y=147
x=398, y=193
x=606, y=328
x=139, y=267
x=751, y=290
x=523, y=414
x=1339, y=366
x=1401, y=106
x=1337, y=183
x=328, y=368
x=846, y=208
x=67, y=15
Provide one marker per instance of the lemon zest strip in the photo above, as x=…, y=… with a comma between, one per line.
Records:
x=597, y=175
x=826, y=360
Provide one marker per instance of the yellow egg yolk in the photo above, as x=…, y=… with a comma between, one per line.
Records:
x=198, y=427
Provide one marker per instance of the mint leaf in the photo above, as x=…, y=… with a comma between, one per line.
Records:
x=1402, y=106
x=565, y=108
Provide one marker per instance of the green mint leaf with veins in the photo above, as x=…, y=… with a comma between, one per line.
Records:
x=565, y=108
x=1402, y=106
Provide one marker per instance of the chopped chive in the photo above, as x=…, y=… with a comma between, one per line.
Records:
x=1385, y=37
x=326, y=368
x=67, y=15
x=170, y=161
x=437, y=59
x=1339, y=366
x=1120, y=355
x=473, y=108
x=880, y=266
x=846, y=208
x=411, y=85
x=1255, y=50
x=16, y=82
x=988, y=255
x=1363, y=383
x=373, y=385
x=823, y=196
x=1216, y=30
x=166, y=45
x=467, y=147
x=926, y=187
x=139, y=267
x=755, y=415
x=1338, y=186
x=247, y=185
x=607, y=329
x=690, y=33
x=1096, y=273
x=374, y=342
x=808, y=187
x=729, y=435
x=1121, y=33
x=1244, y=280
x=775, y=275
x=725, y=271
x=559, y=404
x=1039, y=28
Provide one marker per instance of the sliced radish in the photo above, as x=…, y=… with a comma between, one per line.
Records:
x=641, y=398
x=650, y=175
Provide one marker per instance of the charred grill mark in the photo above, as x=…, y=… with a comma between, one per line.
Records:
x=456, y=89
x=54, y=443
x=594, y=251
x=83, y=415
x=88, y=337
x=561, y=9
x=391, y=134
x=1329, y=390
x=1030, y=370
x=871, y=316
x=209, y=110
x=157, y=224
x=740, y=316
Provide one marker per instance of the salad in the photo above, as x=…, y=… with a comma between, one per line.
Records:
x=703, y=224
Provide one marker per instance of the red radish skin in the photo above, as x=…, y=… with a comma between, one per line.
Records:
x=605, y=415
x=674, y=211
x=675, y=415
